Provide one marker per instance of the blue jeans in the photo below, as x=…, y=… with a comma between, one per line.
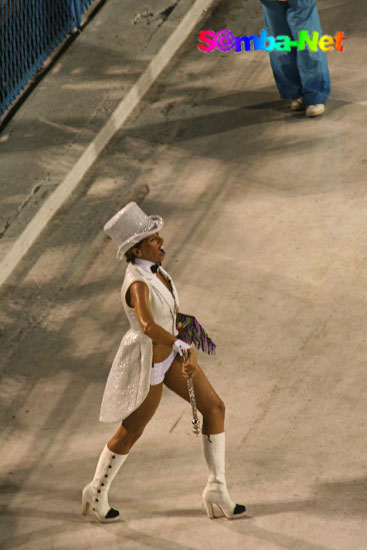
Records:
x=297, y=73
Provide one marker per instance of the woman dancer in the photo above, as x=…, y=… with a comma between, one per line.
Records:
x=150, y=355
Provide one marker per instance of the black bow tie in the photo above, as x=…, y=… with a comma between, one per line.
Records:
x=155, y=267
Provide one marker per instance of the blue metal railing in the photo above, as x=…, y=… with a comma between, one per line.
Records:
x=30, y=30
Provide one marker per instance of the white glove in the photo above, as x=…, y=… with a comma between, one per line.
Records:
x=179, y=346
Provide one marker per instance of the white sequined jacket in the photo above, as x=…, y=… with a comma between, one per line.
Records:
x=129, y=378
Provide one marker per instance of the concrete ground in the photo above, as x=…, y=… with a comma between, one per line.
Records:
x=265, y=229
x=70, y=106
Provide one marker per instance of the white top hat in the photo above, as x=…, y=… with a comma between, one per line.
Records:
x=129, y=226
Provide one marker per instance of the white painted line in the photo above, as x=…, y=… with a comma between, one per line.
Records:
x=63, y=191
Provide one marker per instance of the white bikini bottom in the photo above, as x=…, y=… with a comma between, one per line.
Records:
x=159, y=369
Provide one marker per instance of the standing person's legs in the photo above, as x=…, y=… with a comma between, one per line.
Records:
x=114, y=454
x=213, y=438
x=312, y=66
x=283, y=64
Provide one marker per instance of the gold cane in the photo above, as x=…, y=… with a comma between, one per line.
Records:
x=190, y=387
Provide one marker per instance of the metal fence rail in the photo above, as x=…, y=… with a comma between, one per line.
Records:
x=29, y=32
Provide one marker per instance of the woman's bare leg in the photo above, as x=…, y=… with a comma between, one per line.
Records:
x=133, y=426
x=212, y=408
x=207, y=400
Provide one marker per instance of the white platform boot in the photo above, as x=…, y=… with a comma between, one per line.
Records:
x=95, y=494
x=216, y=491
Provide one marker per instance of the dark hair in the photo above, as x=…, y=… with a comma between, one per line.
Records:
x=129, y=255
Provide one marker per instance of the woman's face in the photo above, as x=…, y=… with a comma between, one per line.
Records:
x=151, y=249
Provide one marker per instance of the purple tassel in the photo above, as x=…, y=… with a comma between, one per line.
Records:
x=191, y=332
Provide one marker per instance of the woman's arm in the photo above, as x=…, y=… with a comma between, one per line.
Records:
x=139, y=297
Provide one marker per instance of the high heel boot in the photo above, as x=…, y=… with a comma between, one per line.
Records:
x=216, y=491
x=95, y=494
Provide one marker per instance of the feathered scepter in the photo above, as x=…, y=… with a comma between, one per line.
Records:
x=192, y=332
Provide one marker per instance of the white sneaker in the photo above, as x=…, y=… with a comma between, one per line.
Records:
x=315, y=110
x=298, y=104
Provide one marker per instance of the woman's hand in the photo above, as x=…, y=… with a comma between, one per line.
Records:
x=181, y=347
x=190, y=366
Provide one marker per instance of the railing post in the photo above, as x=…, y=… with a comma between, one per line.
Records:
x=77, y=12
